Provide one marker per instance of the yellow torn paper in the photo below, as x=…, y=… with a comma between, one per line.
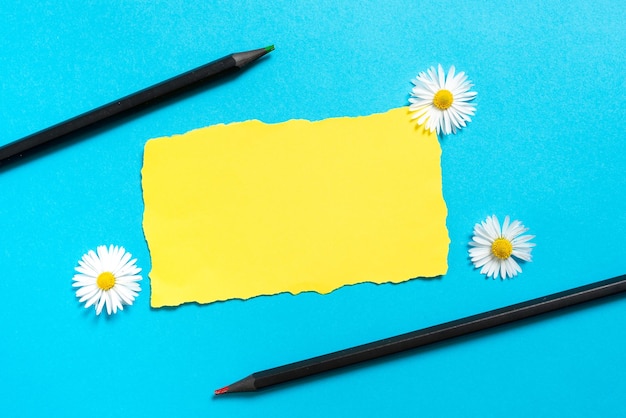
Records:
x=249, y=209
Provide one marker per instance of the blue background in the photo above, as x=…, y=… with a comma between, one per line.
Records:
x=546, y=147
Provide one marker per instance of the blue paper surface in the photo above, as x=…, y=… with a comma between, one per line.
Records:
x=546, y=147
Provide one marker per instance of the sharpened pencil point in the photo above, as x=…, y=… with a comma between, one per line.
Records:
x=269, y=48
x=222, y=390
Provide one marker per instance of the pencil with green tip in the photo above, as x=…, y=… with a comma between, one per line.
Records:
x=38, y=141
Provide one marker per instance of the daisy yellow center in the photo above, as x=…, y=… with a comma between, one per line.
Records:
x=502, y=248
x=106, y=280
x=443, y=99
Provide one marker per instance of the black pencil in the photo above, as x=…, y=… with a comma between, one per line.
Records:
x=46, y=137
x=426, y=336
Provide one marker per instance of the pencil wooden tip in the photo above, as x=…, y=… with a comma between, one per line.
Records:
x=222, y=390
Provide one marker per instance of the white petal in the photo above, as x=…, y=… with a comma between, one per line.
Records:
x=505, y=227
x=449, y=79
x=482, y=240
x=465, y=96
x=92, y=261
x=483, y=261
x=91, y=297
x=492, y=226
x=115, y=299
x=85, y=269
x=125, y=295
x=503, y=269
x=515, y=268
x=522, y=255
x=109, y=304
x=479, y=258
x=425, y=117
x=446, y=122
x=86, y=289
x=423, y=92
x=81, y=280
x=441, y=79
x=493, y=268
x=419, y=103
x=100, y=304
x=522, y=239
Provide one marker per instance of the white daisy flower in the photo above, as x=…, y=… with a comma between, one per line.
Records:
x=440, y=102
x=494, y=248
x=107, y=278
